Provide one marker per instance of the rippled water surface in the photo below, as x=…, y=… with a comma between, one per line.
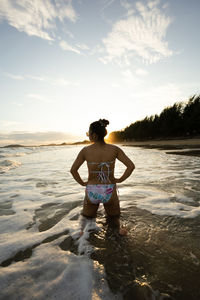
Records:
x=40, y=204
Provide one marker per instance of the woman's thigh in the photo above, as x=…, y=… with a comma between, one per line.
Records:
x=112, y=207
x=89, y=208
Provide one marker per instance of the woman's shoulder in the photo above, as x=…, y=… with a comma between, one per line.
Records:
x=87, y=147
x=113, y=147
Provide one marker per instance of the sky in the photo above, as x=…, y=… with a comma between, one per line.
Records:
x=67, y=63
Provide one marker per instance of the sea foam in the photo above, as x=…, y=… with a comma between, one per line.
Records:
x=7, y=165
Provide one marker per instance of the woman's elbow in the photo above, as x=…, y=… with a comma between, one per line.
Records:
x=72, y=170
x=132, y=167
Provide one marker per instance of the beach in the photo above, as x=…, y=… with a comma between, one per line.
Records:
x=42, y=254
x=190, y=146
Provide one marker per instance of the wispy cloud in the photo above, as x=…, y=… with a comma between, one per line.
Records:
x=65, y=46
x=107, y=3
x=39, y=98
x=82, y=46
x=39, y=78
x=64, y=82
x=130, y=79
x=36, y=17
x=16, y=77
x=77, y=48
x=128, y=7
x=60, y=81
x=142, y=34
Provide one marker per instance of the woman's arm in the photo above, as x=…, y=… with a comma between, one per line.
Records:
x=76, y=165
x=127, y=162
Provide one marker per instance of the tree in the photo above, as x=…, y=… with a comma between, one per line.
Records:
x=177, y=120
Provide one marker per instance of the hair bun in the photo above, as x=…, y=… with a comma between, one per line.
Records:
x=103, y=122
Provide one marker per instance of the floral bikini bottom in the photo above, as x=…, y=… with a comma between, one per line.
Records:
x=99, y=193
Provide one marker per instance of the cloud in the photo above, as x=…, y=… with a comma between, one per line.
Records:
x=141, y=34
x=82, y=46
x=60, y=81
x=16, y=77
x=64, y=9
x=107, y=4
x=39, y=98
x=64, y=82
x=39, y=78
x=130, y=79
x=35, y=138
x=36, y=17
x=128, y=7
x=65, y=46
x=78, y=48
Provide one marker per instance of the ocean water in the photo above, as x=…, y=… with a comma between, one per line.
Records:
x=41, y=254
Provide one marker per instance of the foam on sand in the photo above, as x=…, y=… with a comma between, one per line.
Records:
x=161, y=203
x=52, y=273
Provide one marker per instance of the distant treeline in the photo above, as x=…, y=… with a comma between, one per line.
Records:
x=180, y=120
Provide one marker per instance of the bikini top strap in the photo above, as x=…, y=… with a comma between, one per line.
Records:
x=97, y=163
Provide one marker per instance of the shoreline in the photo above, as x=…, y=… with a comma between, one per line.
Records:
x=45, y=145
x=191, y=145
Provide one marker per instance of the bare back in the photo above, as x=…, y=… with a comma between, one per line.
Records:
x=100, y=158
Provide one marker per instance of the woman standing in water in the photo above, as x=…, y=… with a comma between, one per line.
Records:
x=101, y=184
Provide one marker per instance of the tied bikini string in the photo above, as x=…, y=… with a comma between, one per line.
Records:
x=102, y=176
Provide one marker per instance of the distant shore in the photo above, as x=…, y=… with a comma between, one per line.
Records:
x=46, y=145
x=168, y=143
x=190, y=146
x=182, y=146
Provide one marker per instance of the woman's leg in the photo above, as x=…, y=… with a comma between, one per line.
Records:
x=89, y=208
x=112, y=209
x=88, y=212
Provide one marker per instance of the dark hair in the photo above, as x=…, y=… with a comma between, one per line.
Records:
x=99, y=127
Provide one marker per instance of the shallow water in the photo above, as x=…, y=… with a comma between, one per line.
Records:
x=39, y=209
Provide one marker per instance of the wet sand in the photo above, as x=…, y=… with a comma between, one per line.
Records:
x=188, y=152
x=159, y=257
x=191, y=146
